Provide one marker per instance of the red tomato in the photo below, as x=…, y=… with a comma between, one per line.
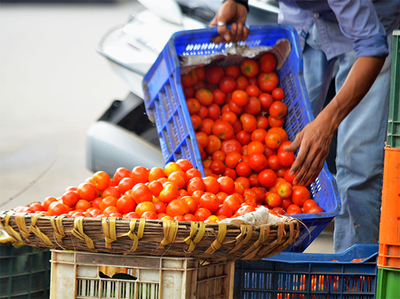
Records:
x=253, y=106
x=111, y=191
x=249, y=68
x=266, y=100
x=268, y=81
x=193, y=106
x=179, y=178
x=195, y=184
x=144, y=207
x=285, y=158
x=204, y=96
x=190, y=217
x=83, y=205
x=293, y=209
x=267, y=178
x=249, y=122
x=57, y=208
x=268, y=62
x=273, y=199
x=242, y=82
x=214, y=111
x=232, y=70
x=70, y=198
x=202, y=214
x=308, y=204
x=257, y=161
x=177, y=207
x=227, y=84
x=101, y=180
x=126, y=204
x=278, y=94
x=131, y=215
x=108, y=202
x=37, y=207
x=48, y=201
x=189, y=79
x=209, y=201
x=217, y=167
x=150, y=215
x=278, y=109
x=243, y=169
x=243, y=137
x=223, y=130
x=244, y=209
x=226, y=184
x=211, y=184
x=169, y=192
x=253, y=90
x=300, y=195
x=232, y=159
x=155, y=173
x=214, y=74
x=224, y=210
x=121, y=173
x=240, y=98
x=126, y=184
x=284, y=189
x=229, y=146
x=219, y=97
x=315, y=209
x=232, y=203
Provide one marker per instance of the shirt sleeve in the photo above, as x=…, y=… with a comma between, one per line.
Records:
x=359, y=22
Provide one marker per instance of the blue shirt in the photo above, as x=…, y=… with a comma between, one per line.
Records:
x=344, y=25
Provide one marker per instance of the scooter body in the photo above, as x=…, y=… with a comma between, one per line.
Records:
x=123, y=136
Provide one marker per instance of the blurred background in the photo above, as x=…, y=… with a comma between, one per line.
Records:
x=53, y=86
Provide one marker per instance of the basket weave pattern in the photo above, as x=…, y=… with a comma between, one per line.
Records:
x=213, y=242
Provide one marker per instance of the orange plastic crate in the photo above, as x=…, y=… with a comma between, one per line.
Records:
x=389, y=232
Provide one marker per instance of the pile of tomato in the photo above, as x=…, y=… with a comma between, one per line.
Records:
x=237, y=113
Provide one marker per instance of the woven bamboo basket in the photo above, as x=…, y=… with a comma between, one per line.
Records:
x=212, y=242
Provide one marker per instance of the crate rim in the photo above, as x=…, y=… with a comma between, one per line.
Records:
x=371, y=250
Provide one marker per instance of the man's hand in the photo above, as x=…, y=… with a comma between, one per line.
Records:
x=315, y=139
x=314, y=142
x=233, y=14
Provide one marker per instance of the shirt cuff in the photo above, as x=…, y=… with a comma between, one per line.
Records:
x=373, y=46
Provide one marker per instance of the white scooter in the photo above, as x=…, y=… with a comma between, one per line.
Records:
x=123, y=136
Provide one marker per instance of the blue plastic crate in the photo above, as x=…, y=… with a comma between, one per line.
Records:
x=309, y=276
x=165, y=104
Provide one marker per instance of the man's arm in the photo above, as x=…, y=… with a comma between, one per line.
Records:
x=315, y=139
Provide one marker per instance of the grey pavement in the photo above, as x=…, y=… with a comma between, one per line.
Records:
x=53, y=85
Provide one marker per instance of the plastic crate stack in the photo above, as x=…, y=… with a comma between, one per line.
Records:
x=389, y=232
x=351, y=274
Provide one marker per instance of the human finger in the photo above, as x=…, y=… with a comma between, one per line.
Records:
x=295, y=144
x=239, y=32
x=245, y=33
x=233, y=32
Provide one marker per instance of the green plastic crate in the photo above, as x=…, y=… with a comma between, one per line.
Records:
x=388, y=283
x=24, y=272
x=393, y=133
